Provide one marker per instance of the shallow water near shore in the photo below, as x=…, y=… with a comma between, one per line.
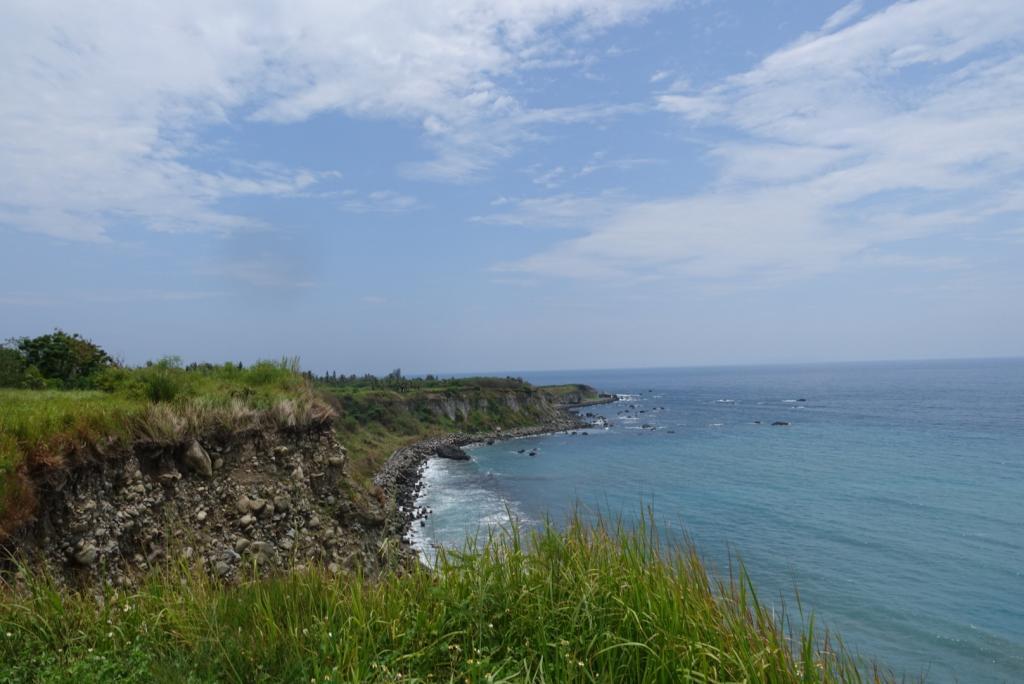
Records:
x=893, y=500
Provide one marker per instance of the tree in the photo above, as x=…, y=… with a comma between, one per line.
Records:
x=68, y=359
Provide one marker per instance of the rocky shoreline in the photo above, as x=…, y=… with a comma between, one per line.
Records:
x=401, y=475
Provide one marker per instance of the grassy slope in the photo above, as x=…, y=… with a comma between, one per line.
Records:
x=39, y=429
x=589, y=604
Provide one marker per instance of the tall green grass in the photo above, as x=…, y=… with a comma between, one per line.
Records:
x=594, y=603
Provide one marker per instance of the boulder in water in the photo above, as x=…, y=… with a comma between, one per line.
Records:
x=452, y=452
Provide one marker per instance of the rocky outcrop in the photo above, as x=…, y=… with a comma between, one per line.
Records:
x=198, y=460
x=576, y=396
x=400, y=476
x=253, y=506
x=452, y=452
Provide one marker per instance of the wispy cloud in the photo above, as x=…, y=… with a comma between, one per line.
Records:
x=843, y=15
x=105, y=104
x=831, y=154
x=558, y=176
x=387, y=201
x=555, y=211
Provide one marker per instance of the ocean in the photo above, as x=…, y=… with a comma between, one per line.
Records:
x=893, y=501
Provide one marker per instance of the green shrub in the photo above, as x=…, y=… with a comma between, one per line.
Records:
x=160, y=386
x=35, y=380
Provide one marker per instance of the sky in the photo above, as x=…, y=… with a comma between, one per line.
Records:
x=465, y=185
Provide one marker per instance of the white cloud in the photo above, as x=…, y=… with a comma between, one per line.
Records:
x=556, y=211
x=599, y=161
x=893, y=128
x=551, y=178
x=843, y=15
x=104, y=104
x=624, y=164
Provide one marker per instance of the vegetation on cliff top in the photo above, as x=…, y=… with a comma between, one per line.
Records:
x=592, y=603
x=61, y=393
x=64, y=394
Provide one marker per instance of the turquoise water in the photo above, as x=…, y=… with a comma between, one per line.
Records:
x=894, y=500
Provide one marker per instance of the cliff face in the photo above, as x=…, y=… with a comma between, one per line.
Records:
x=470, y=409
x=246, y=505
x=530, y=405
x=257, y=501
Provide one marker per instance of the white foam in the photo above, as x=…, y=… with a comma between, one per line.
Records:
x=450, y=501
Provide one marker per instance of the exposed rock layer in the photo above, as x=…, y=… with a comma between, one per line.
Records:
x=253, y=506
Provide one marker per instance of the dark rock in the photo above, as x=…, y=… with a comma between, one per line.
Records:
x=87, y=555
x=198, y=460
x=450, y=451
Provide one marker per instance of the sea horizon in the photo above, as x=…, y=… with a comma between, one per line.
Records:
x=710, y=366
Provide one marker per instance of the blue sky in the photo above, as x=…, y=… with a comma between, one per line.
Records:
x=470, y=186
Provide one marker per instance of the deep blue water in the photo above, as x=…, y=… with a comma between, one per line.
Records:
x=894, y=501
